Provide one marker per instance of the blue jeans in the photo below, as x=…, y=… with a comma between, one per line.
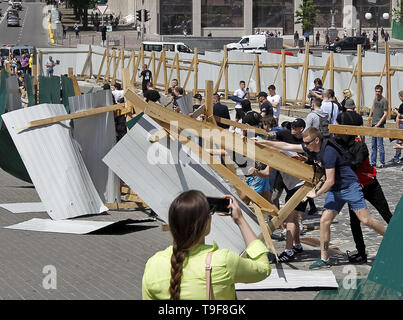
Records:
x=377, y=144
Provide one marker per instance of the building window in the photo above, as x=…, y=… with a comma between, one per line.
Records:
x=363, y=6
x=324, y=17
x=272, y=14
x=176, y=17
x=221, y=13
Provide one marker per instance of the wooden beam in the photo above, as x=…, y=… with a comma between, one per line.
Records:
x=77, y=90
x=241, y=125
x=305, y=83
x=196, y=71
x=331, y=70
x=366, y=131
x=289, y=207
x=124, y=205
x=257, y=65
x=388, y=82
x=284, y=73
x=265, y=231
x=209, y=102
x=82, y=114
x=359, y=77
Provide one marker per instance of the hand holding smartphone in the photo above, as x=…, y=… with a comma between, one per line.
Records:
x=220, y=205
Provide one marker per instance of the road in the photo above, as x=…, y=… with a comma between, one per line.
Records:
x=32, y=29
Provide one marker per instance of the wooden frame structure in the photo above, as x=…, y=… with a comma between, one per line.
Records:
x=170, y=67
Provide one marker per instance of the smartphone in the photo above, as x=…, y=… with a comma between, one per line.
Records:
x=221, y=205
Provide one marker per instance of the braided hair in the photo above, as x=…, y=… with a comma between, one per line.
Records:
x=188, y=218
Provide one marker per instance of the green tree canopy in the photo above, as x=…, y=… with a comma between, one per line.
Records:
x=306, y=15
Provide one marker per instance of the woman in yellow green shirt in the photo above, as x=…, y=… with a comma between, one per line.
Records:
x=178, y=272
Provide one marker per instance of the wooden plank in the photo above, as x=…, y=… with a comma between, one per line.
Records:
x=257, y=65
x=196, y=71
x=359, y=77
x=289, y=207
x=366, y=131
x=305, y=83
x=77, y=90
x=209, y=103
x=326, y=70
x=388, y=82
x=226, y=66
x=241, y=125
x=124, y=205
x=284, y=73
x=86, y=113
x=265, y=231
x=331, y=70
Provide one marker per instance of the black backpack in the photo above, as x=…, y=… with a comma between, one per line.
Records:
x=323, y=126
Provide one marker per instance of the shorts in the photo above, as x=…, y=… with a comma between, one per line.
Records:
x=335, y=200
x=258, y=184
x=302, y=205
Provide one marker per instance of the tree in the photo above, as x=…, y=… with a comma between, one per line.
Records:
x=397, y=13
x=306, y=16
x=81, y=9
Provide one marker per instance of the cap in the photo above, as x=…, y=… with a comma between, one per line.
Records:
x=262, y=94
x=298, y=123
x=349, y=104
x=198, y=96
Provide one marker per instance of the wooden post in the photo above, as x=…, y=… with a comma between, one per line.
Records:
x=196, y=72
x=77, y=90
x=106, y=53
x=265, y=229
x=257, y=64
x=154, y=68
x=359, y=78
x=209, y=102
x=284, y=79
x=164, y=65
x=178, y=75
x=331, y=69
x=226, y=66
x=305, y=83
x=326, y=70
x=388, y=83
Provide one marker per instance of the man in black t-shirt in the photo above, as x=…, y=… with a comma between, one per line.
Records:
x=198, y=101
x=250, y=117
x=147, y=77
x=266, y=108
x=220, y=110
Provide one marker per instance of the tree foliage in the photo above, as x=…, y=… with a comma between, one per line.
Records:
x=397, y=13
x=306, y=15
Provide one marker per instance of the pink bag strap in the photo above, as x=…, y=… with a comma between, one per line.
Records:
x=209, y=291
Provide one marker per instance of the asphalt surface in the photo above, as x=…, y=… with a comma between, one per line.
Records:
x=32, y=30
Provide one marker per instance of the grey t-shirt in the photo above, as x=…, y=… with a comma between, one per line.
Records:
x=379, y=108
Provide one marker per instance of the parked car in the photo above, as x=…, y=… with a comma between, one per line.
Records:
x=349, y=43
x=17, y=5
x=252, y=42
x=168, y=46
x=13, y=20
x=16, y=50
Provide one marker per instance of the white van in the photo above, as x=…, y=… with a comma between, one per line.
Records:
x=168, y=46
x=252, y=42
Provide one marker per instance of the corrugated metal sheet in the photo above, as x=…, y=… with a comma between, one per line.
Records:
x=292, y=279
x=54, y=163
x=158, y=175
x=13, y=93
x=96, y=136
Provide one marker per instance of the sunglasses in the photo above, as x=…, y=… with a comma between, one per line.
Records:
x=308, y=142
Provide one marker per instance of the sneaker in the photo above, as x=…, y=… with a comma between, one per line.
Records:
x=297, y=250
x=395, y=161
x=318, y=264
x=285, y=257
x=381, y=166
x=357, y=258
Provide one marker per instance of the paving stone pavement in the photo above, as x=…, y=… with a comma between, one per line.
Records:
x=109, y=264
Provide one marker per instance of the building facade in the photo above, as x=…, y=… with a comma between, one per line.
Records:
x=243, y=17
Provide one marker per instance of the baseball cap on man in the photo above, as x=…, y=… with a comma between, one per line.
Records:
x=298, y=123
x=198, y=96
x=349, y=104
x=262, y=94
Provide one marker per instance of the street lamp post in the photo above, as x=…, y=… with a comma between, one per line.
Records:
x=385, y=16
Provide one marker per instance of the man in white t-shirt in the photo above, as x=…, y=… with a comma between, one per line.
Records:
x=329, y=106
x=239, y=95
x=275, y=101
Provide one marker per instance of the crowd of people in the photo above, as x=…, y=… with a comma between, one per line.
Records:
x=349, y=177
